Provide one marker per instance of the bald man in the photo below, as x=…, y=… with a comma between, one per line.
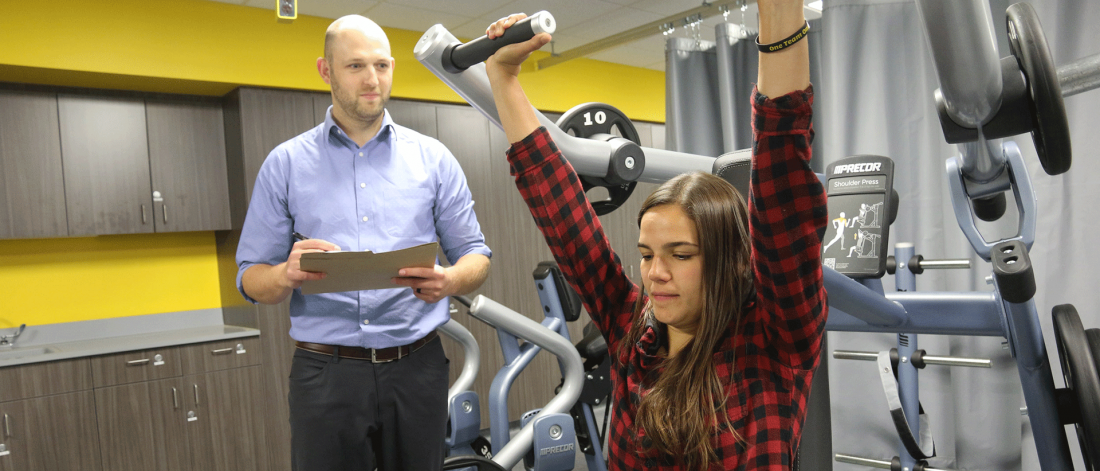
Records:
x=368, y=384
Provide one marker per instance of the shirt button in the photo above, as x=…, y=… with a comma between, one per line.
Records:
x=362, y=185
x=364, y=219
x=360, y=154
x=366, y=322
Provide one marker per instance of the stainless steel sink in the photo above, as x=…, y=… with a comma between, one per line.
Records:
x=24, y=352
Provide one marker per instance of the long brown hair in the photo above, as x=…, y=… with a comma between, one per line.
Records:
x=687, y=402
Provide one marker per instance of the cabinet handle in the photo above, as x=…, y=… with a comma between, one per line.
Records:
x=221, y=351
x=164, y=211
x=138, y=362
x=143, y=214
x=196, y=394
x=7, y=426
x=175, y=399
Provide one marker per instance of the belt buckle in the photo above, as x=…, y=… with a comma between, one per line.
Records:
x=374, y=356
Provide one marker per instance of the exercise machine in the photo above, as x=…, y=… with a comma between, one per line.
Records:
x=982, y=99
x=549, y=430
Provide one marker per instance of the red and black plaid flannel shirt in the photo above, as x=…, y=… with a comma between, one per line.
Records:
x=780, y=341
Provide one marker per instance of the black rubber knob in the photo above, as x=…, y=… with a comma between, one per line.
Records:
x=991, y=208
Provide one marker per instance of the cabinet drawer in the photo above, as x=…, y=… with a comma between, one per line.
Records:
x=42, y=379
x=223, y=355
x=132, y=367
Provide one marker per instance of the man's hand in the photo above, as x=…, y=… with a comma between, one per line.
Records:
x=430, y=285
x=293, y=276
x=507, y=61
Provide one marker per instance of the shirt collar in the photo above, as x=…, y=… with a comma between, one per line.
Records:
x=337, y=137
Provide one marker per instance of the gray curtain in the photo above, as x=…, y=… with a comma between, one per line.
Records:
x=699, y=119
x=878, y=81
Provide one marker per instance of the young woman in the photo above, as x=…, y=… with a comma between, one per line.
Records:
x=714, y=355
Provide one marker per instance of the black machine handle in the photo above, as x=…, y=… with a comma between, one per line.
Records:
x=460, y=57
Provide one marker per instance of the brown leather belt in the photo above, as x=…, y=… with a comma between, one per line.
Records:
x=373, y=355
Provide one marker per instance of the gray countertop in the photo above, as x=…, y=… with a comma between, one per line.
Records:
x=101, y=337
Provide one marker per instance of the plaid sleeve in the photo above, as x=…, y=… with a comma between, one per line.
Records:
x=787, y=219
x=553, y=193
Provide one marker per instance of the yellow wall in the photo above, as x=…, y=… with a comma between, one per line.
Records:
x=207, y=48
x=204, y=47
x=48, y=281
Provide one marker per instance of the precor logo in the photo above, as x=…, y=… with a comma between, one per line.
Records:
x=556, y=449
x=857, y=168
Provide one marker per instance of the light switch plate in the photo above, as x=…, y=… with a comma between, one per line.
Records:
x=286, y=9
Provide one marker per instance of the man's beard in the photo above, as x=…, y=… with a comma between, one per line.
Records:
x=349, y=103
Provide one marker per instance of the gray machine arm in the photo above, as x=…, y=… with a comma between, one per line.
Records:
x=589, y=157
x=519, y=325
x=472, y=355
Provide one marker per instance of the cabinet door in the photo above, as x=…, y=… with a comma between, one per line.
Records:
x=267, y=118
x=419, y=117
x=141, y=426
x=321, y=102
x=106, y=156
x=227, y=433
x=32, y=185
x=13, y=436
x=61, y=432
x=187, y=164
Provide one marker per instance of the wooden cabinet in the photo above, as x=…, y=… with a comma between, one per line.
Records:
x=52, y=432
x=187, y=165
x=32, y=196
x=105, y=152
x=119, y=166
x=207, y=420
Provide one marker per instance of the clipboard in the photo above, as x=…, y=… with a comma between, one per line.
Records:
x=356, y=271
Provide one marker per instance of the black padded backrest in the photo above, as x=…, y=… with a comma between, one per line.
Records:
x=735, y=167
x=570, y=301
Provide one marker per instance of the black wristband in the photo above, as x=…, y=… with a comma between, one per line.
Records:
x=786, y=42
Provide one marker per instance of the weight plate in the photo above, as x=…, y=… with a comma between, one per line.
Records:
x=1051, y=131
x=1079, y=369
x=592, y=119
x=1093, y=335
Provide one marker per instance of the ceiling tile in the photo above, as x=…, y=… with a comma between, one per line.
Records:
x=410, y=18
x=566, y=13
x=334, y=8
x=609, y=24
x=628, y=55
x=463, y=8
x=665, y=7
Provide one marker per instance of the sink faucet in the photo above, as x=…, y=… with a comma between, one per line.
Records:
x=8, y=341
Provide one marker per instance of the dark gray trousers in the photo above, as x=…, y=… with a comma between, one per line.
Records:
x=354, y=415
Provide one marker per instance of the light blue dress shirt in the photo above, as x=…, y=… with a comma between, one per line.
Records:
x=399, y=190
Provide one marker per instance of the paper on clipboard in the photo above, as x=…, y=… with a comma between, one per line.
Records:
x=355, y=271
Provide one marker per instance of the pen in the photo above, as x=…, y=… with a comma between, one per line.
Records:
x=299, y=236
